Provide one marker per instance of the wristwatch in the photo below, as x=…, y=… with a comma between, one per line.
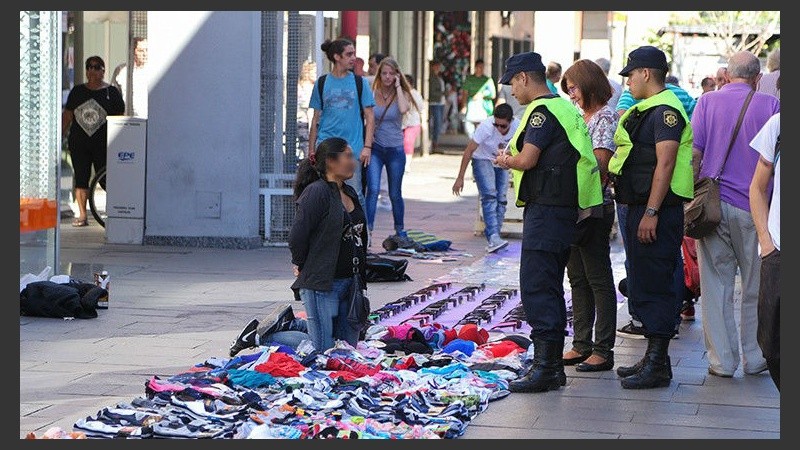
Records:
x=650, y=211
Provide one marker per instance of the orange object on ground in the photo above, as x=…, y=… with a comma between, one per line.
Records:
x=37, y=214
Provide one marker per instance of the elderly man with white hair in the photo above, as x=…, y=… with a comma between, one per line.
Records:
x=724, y=123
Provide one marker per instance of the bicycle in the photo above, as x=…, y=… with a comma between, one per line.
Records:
x=97, y=197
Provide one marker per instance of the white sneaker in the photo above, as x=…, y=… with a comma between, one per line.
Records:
x=495, y=243
x=384, y=204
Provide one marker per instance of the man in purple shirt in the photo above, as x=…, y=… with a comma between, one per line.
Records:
x=734, y=244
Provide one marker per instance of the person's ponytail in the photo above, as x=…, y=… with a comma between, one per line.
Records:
x=313, y=168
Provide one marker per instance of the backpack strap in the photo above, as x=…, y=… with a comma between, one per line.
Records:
x=321, y=86
x=359, y=89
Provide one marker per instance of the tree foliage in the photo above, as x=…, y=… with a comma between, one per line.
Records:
x=737, y=31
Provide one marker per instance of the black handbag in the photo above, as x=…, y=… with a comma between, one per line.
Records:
x=358, y=313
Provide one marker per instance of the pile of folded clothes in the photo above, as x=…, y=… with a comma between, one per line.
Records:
x=402, y=382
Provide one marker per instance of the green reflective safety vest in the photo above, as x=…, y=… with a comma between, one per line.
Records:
x=682, y=182
x=590, y=191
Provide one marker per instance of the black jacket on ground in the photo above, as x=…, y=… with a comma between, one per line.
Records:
x=316, y=235
x=49, y=299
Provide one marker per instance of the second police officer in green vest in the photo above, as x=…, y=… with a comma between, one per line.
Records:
x=653, y=171
x=555, y=173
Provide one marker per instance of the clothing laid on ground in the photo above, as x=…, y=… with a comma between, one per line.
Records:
x=360, y=392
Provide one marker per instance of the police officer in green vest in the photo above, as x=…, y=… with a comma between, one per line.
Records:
x=653, y=176
x=555, y=174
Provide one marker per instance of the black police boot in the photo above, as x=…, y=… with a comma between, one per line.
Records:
x=547, y=373
x=655, y=371
x=626, y=371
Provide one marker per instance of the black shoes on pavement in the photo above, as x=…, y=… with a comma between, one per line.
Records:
x=547, y=372
x=654, y=370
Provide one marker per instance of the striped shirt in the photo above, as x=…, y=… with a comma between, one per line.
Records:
x=626, y=100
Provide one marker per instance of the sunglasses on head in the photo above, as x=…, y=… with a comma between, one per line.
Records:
x=95, y=67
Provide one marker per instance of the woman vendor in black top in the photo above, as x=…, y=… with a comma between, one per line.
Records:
x=327, y=242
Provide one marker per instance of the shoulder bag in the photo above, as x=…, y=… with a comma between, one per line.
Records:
x=703, y=214
x=359, y=310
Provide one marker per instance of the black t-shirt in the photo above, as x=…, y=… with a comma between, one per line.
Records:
x=352, y=231
x=90, y=109
x=663, y=123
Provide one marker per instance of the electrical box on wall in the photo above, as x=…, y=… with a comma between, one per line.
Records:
x=125, y=185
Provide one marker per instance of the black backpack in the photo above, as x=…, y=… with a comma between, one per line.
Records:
x=386, y=269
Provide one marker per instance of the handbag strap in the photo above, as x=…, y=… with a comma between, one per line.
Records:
x=735, y=132
x=380, y=120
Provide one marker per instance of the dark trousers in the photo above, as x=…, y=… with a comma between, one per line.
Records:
x=593, y=290
x=547, y=233
x=769, y=314
x=651, y=284
x=622, y=215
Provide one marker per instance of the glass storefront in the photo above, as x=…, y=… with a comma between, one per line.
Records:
x=40, y=138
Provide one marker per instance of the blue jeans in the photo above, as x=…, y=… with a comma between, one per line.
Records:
x=436, y=121
x=296, y=332
x=394, y=158
x=356, y=183
x=327, y=314
x=492, y=185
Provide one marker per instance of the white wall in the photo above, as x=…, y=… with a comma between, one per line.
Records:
x=203, y=127
x=554, y=36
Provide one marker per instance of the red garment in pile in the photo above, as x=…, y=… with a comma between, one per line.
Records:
x=500, y=349
x=352, y=366
x=471, y=332
x=281, y=365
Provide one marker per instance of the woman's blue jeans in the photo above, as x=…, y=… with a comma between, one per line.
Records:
x=327, y=314
x=394, y=158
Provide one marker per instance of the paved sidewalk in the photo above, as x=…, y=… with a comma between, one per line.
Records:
x=173, y=307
